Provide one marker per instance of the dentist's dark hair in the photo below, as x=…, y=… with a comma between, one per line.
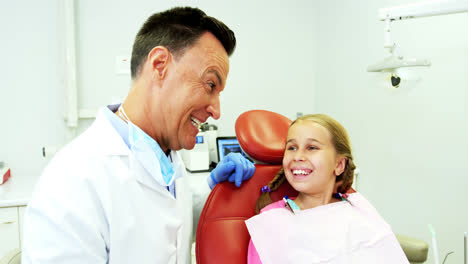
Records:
x=177, y=29
x=342, y=145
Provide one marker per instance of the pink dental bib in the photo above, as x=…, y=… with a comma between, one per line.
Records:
x=334, y=233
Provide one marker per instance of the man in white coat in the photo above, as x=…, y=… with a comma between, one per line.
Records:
x=116, y=194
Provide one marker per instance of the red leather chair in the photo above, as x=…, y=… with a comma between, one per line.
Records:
x=222, y=236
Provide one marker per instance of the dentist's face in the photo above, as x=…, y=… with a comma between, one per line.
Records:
x=194, y=82
x=310, y=160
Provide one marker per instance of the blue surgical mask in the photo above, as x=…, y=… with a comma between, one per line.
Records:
x=149, y=154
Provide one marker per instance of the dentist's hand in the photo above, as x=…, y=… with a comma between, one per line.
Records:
x=234, y=167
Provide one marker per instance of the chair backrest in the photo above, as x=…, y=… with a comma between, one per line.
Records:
x=222, y=236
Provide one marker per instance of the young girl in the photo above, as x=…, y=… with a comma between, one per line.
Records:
x=323, y=224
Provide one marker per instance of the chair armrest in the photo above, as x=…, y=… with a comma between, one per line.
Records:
x=415, y=249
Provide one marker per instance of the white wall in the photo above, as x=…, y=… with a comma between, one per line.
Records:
x=410, y=143
x=30, y=93
x=272, y=62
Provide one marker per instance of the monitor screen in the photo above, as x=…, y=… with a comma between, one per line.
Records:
x=227, y=145
x=199, y=140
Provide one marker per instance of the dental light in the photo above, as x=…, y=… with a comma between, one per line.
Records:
x=423, y=9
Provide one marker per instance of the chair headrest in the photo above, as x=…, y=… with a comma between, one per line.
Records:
x=262, y=135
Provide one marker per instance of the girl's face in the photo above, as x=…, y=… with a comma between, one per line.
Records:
x=310, y=161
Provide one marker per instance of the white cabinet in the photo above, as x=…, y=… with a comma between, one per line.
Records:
x=9, y=230
x=21, y=210
x=14, y=196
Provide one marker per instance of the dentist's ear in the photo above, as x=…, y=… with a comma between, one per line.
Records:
x=159, y=58
x=340, y=166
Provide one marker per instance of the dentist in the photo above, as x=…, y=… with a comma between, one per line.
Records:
x=117, y=193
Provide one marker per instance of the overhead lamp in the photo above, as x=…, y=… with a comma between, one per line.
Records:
x=423, y=9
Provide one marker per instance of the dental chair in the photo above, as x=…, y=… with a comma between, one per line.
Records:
x=222, y=236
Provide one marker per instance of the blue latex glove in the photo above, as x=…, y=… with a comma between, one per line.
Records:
x=234, y=167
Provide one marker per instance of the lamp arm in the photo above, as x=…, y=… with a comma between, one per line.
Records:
x=424, y=9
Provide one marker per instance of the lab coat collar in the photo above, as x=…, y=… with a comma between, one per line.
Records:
x=142, y=176
x=108, y=140
x=138, y=172
x=178, y=165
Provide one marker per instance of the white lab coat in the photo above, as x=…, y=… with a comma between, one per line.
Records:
x=95, y=203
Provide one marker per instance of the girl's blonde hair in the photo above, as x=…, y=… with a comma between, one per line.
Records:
x=342, y=145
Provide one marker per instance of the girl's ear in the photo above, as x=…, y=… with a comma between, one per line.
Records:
x=340, y=166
